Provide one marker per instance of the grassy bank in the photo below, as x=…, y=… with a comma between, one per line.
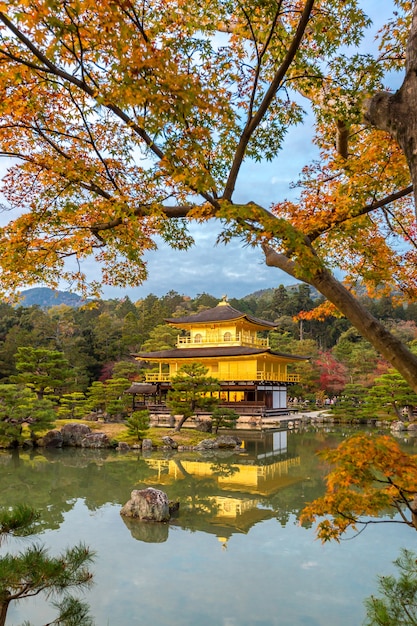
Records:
x=119, y=432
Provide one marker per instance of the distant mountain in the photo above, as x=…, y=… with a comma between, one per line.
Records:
x=46, y=298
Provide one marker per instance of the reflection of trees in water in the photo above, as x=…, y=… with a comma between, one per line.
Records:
x=53, y=480
x=195, y=496
x=224, y=470
x=290, y=501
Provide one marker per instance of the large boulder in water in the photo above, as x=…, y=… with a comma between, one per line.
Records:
x=150, y=505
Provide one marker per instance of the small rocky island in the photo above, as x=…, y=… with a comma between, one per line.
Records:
x=149, y=505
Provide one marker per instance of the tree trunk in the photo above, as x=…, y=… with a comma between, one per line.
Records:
x=177, y=429
x=391, y=348
x=413, y=507
x=396, y=113
x=398, y=411
x=4, y=606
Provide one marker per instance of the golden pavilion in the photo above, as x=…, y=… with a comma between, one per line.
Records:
x=254, y=379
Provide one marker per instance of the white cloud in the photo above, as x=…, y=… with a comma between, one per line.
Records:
x=216, y=269
x=309, y=565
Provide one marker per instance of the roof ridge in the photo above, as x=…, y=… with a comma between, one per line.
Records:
x=220, y=313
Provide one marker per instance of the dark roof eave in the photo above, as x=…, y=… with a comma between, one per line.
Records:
x=142, y=388
x=201, y=353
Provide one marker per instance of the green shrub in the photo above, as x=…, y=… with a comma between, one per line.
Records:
x=138, y=424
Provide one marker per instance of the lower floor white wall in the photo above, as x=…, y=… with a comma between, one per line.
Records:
x=279, y=395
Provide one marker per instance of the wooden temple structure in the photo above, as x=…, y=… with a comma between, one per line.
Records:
x=254, y=379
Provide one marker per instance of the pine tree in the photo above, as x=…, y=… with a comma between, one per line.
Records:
x=72, y=405
x=33, y=571
x=20, y=405
x=391, y=391
x=223, y=418
x=45, y=371
x=109, y=398
x=191, y=390
x=398, y=604
x=138, y=424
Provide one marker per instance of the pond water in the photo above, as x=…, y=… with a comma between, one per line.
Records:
x=235, y=556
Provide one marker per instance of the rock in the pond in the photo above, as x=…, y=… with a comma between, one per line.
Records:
x=150, y=505
x=207, y=444
x=122, y=446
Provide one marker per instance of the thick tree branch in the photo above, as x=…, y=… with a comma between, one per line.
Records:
x=275, y=84
x=391, y=348
x=260, y=55
x=171, y=212
x=411, y=50
x=342, y=138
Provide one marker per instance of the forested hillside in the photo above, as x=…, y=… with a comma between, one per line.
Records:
x=97, y=338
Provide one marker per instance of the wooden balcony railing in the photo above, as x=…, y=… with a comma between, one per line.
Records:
x=272, y=376
x=240, y=339
x=155, y=377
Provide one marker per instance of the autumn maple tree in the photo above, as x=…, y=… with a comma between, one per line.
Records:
x=124, y=120
x=369, y=476
x=333, y=377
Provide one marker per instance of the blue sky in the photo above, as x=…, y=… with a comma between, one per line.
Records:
x=232, y=270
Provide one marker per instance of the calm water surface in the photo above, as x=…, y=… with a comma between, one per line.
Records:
x=235, y=556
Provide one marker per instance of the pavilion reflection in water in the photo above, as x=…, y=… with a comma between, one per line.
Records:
x=236, y=492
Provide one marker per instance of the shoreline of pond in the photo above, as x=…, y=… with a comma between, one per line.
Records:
x=114, y=435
